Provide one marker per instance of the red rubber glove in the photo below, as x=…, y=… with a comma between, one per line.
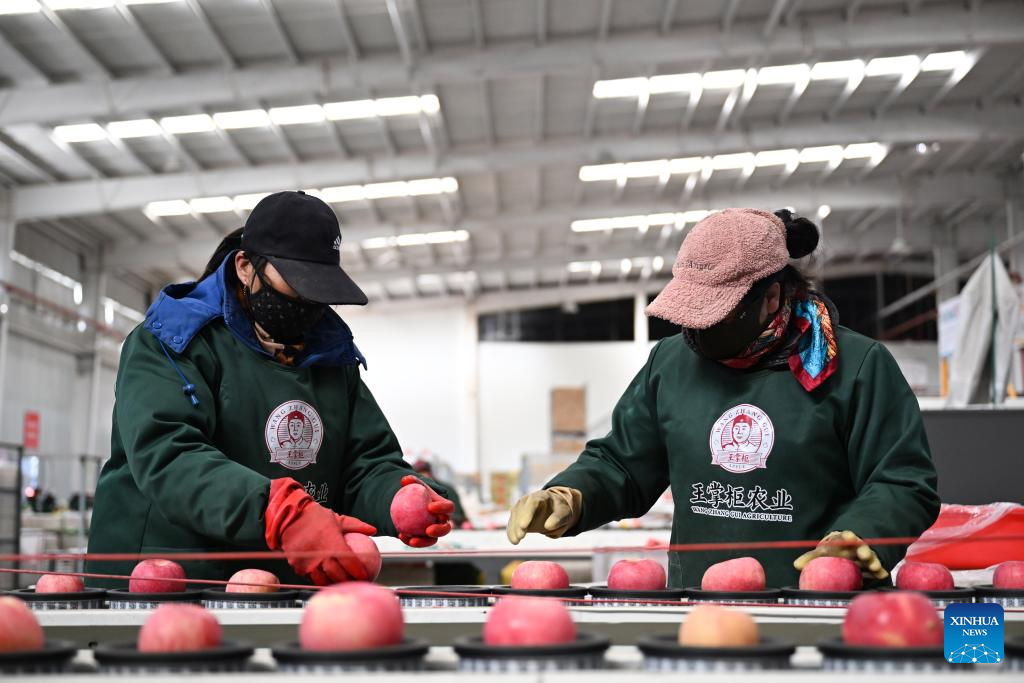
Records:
x=442, y=507
x=353, y=525
x=296, y=524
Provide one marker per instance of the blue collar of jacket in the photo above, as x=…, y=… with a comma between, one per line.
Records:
x=183, y=310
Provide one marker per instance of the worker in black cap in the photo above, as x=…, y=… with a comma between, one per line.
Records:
x=241, y=421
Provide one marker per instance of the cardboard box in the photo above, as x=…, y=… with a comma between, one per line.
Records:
x=569, y=410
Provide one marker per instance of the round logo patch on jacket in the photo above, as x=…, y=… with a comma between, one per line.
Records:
x=294, y=433
x=742, y=439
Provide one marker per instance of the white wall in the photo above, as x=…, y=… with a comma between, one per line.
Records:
x=50, y=382
x=439, y=390
x=421, y=372
x=516, y=380
x=42, y=379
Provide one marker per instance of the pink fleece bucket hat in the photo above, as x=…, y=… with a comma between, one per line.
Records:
x=721, y=258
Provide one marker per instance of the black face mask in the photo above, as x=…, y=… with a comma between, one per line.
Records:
x=729, y=339
x=286, y=319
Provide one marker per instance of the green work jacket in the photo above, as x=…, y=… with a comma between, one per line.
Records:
x=753, y=456
x=204, y=419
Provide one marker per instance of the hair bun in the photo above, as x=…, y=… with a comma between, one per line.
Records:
x=801, y=234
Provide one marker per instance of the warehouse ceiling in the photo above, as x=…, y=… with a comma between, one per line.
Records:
x=476, y=146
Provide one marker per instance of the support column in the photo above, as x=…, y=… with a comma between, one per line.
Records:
x=94, y=292
x=814, y=265
x=7, y=231
x=879, y=302
x=1014, y=224
x=640, y=331
x=945, y=259
x=471, y=397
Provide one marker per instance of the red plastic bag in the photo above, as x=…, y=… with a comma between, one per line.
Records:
x=972, y=536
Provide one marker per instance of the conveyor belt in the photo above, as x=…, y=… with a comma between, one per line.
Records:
x=623, y=667
x=801, y=625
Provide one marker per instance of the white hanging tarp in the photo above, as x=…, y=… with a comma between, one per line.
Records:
x=970, y=369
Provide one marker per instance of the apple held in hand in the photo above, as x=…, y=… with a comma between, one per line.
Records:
x=59, y=583
x=409, y=510
x=352, y=616
x=150, y=576
x=539, y=575
x=19, y=630
x=924, y=576
x=1009, y=575
x=525, y=621
x=713, y=626
x=742, y=574
x=894, y=619
x=179, y=628
x=637, y=575
x=831, y=574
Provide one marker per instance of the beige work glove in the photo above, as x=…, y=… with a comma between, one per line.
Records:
x=551, y=512
x=862, y=554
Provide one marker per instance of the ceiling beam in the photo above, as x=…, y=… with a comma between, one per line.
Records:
x=18, y=67
x=215, y=37
x=476, y=12
x=839, y=246
x=281, y=31
x=91, y=196
x=996, y=25
x=352, y=47
x=946, y=191
x=494, y=301
x=774, y=17
x=604, y=24
x=541, y=21
x=88, y=55
x=730, y=14
x=418, y=26
x=668, y=14
x=401, y=35
x=145, y=35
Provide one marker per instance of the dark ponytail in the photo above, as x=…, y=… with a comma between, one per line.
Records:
x=801, y=240
x=231, y=242
x=801, y=234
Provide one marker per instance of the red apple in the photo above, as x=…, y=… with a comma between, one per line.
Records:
x=179, y=628
x=242, y=580
x=150, y=576
x=538, y=575
x=741, y=574
x=59, y=583
x=522, y=621
x=713, y=626
x=894, y=619
x=19, y=629
x=636, y=575
x=1009, y=575
x=831, y=574
x=924, y=576
x=352, y=616
x=409, y=510
x=367, y=552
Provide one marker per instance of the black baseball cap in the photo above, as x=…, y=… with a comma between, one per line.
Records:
x=299, y=234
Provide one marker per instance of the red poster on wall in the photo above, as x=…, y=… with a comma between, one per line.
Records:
x=30, y=431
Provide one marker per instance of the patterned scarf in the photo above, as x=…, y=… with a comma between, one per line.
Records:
x=800, y=336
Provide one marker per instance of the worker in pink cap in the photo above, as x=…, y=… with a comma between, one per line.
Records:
x=768, y=420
